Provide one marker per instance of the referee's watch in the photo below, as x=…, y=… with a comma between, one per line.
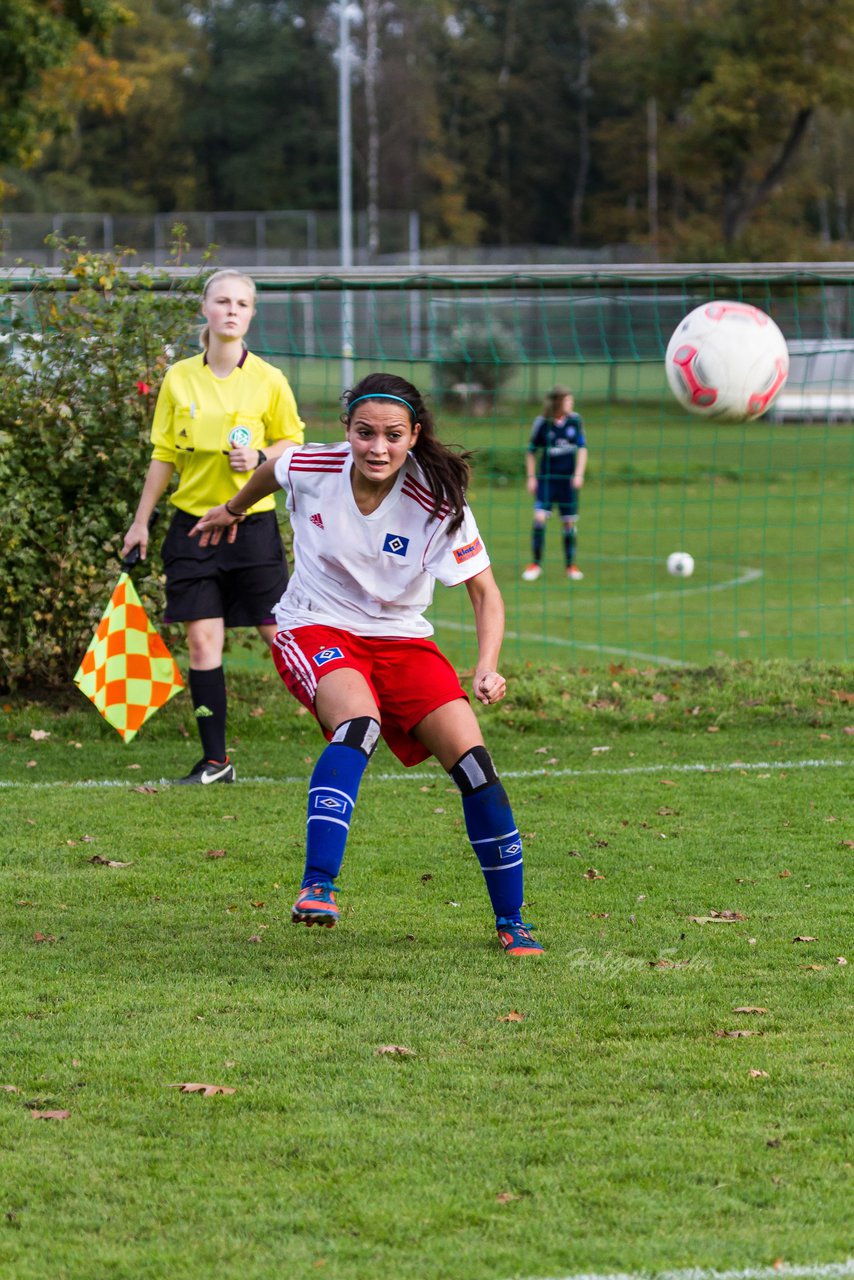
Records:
x=262, y=457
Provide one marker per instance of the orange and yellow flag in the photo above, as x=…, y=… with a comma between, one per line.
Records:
x=127, y=671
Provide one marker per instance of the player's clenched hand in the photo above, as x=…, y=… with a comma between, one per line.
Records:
x=209, y=528
x=489, y=687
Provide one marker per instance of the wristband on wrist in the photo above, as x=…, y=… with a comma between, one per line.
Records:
x=236, y=514
x=262, y=457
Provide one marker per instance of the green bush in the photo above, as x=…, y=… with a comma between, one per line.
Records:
x=475, y=360
x=81, y=359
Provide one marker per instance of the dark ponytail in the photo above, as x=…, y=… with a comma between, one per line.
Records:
x=446, y=470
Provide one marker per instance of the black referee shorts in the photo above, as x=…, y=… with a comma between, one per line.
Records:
x=238, y=581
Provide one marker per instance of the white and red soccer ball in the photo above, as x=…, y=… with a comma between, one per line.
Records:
x=727, y=360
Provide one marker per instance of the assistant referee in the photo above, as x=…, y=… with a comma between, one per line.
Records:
x=219, y=416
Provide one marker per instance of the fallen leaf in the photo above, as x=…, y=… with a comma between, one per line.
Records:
x=758, y=1075
x=98, y=861
x=50, y=1115
x=39, y=735
x=815, y=967
x=395, y=1051
x=215, y=853
x=843, y=697
x=9, y=1088
x=749, y=1008
x=667, y=782
x=133, y=766
x=256, y=937
x=427, y=876
x=256, y=711
x=718, y=917
x=784, y=875
x=737, y=1034
x=31, y=764
x=145, y=790
x=257, y=905
x=505, y=1197
x=592, y=874
x=43, y=937
x=804, y=937
x=841, y=960
x=513, y=1016
x=206, y=1090
x=229, y=817
x=438, y=810
x=713, y=728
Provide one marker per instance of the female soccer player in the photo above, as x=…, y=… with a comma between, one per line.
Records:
x=376, y=520
x=219, y=415
x=558, y=437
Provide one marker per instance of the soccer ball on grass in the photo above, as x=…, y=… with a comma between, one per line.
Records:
x=727, y=360
x=680, y=564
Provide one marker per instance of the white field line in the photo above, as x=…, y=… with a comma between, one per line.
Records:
x=813, y=1271
x=807, y=1271
x=539, y=638
x=741, y=766
x=749, y=575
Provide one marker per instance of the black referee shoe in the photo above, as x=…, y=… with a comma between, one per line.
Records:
x=207, y=771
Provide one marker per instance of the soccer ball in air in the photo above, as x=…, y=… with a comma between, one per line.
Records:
x=727, y=360
x=680, y=564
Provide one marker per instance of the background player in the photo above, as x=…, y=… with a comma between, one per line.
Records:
x=376, y=520
x=219, y=415
x=557, y=436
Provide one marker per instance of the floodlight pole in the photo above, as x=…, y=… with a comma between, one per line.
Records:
x=345, y=188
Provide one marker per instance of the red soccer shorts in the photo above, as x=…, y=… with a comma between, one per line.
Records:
x=408, y=678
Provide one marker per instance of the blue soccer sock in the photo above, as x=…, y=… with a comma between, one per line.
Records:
x=332, y=796
x=492, y=831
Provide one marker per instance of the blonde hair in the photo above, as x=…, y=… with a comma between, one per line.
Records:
x=225, y=273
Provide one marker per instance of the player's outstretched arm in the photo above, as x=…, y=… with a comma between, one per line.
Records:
x=488, y=684
x=210, y=526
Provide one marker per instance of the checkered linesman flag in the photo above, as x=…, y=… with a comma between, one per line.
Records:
x=127, y=671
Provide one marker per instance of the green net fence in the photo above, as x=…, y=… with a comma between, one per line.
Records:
x=764, y=507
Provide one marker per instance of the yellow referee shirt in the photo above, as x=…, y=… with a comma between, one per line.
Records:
x=199, y=418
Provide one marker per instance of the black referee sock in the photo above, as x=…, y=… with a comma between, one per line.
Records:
x=207, y=689
x=538, y=541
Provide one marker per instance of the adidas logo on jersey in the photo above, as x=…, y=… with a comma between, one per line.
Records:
x=317, y=519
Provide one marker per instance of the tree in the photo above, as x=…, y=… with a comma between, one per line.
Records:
x=737, y=87
x=37, y=42
x=263, y=124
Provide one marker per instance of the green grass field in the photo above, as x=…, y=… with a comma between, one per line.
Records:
x=615, y=1123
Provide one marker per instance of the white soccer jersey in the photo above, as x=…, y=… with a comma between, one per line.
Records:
x=372, y=575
